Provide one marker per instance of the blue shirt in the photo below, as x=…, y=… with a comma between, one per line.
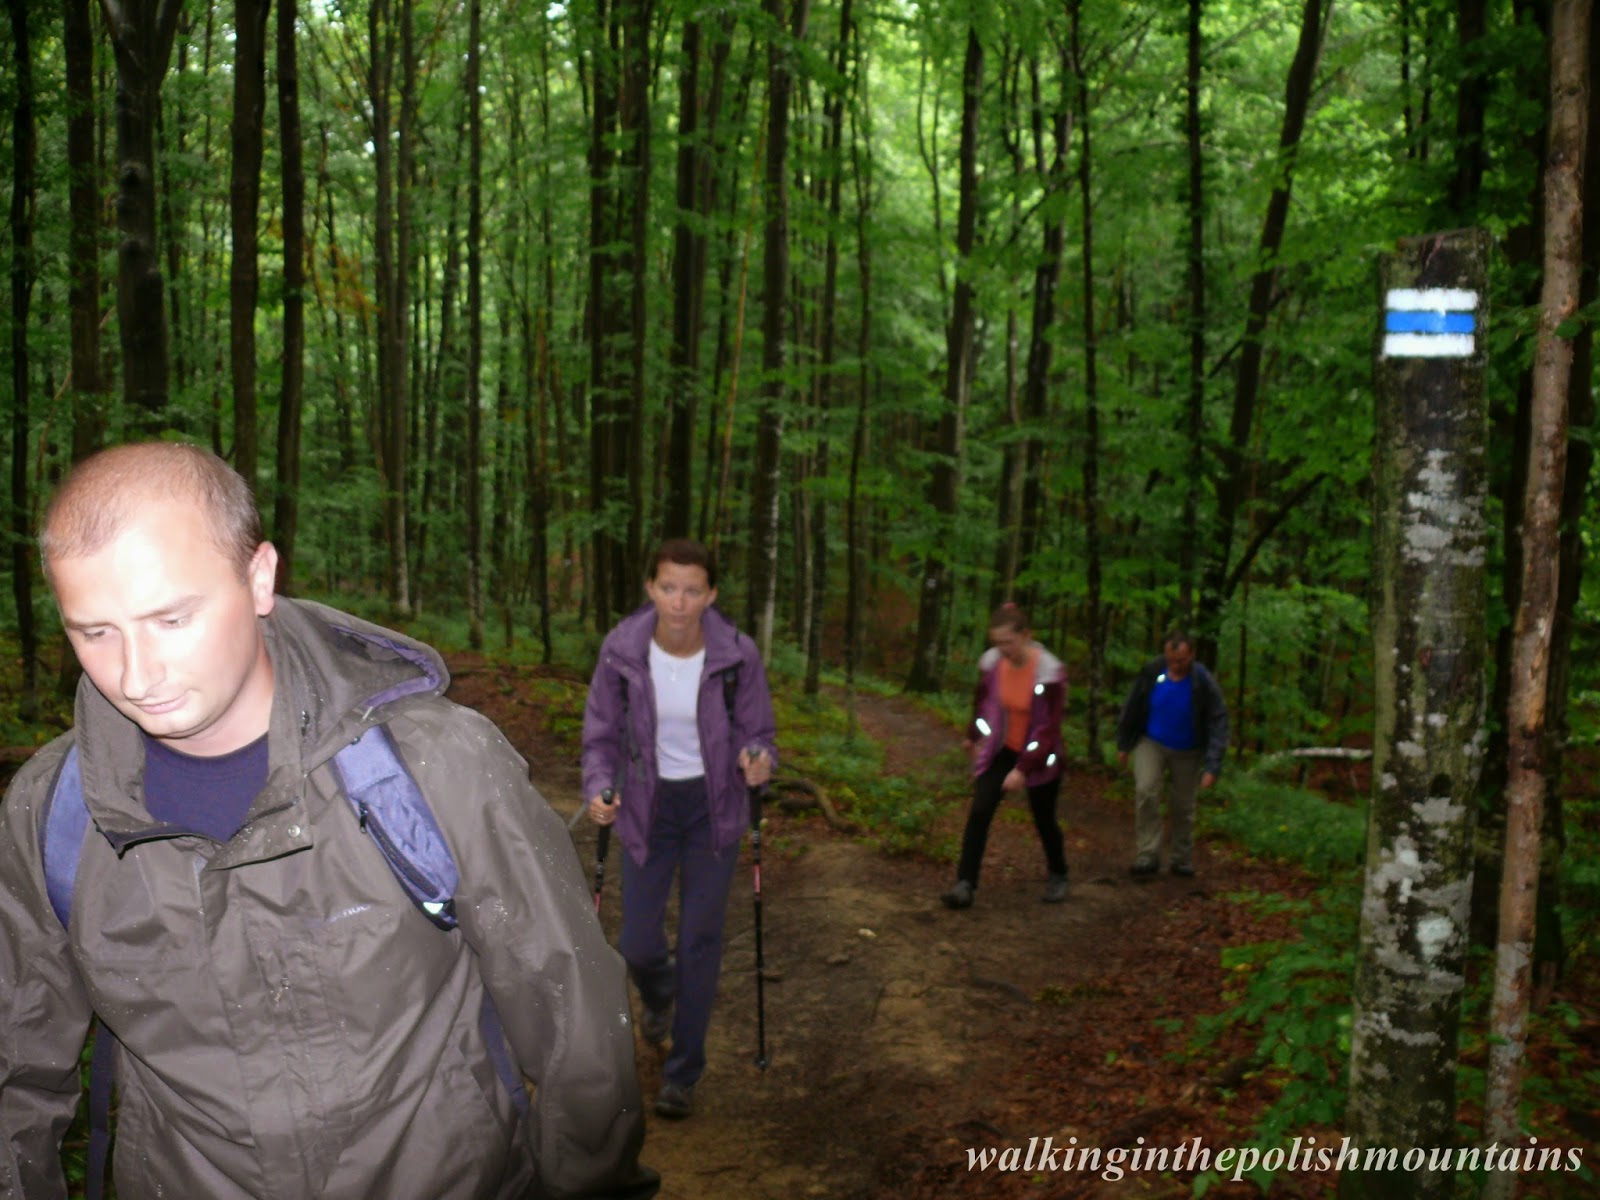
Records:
x=1172, y=713
x=208, y=796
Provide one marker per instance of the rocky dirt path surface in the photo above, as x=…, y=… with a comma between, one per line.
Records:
x=900, y=1034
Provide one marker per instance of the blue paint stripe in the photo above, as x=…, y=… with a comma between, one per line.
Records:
x=1429, y=322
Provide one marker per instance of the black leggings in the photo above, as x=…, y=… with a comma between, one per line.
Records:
x=986, y=793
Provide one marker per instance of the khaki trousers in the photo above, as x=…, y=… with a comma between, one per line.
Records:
x=1152, y=762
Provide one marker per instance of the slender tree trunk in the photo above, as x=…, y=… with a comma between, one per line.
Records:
x=88, y=380
x=291, y=399
x=1091, y=419
x=141, y=34
x=634, y=199
x=763, y=572
x=1472, y=102
x=688, y=282
x=945, y=483
x=474, y=328
x=1429, y=543
x=604, y=319
x=1231, y=487
x=1196, y=416
x=23, y=153
x=862, y=174
x=1541, y=533
x=244, y=204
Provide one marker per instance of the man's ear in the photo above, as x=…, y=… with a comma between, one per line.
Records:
x=262, y=576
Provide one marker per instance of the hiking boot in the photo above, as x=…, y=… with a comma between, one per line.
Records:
x=1143, y=868
x=960, y=896
x=1055, y=891
x=655, y=1026
x=674, y=1102
x=1183, y=870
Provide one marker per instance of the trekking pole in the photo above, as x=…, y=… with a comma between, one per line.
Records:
x=761, y=962
x=603, y=844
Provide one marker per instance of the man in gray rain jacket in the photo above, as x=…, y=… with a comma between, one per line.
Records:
x=288, y=1023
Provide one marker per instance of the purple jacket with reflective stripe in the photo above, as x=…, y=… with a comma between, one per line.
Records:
x=1041, y=758
x=619, y=726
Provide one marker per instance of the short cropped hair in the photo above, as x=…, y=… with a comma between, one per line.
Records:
x=686, y=552
x=94, y=502
x=1009, y=616
x=1175, y=639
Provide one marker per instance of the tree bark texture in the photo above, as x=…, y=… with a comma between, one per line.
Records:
x=1541, y=533
x=244, y=205
x=688, y=288
x=141, y=34
x=1429, y=550
x=291, y=398
x=1195, y=418
x=1091, y=408
x=24, y=152
x=474, y=465
x=605, y=318
x=945, y=482
x=83, y=297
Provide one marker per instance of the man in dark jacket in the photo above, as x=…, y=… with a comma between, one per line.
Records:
x=288, y=1024
x=1174, y=722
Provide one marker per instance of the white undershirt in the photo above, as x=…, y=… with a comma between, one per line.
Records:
x=677, y=684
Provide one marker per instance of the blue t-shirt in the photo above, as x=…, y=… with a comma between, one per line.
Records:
x=1172, y=713
x=208, y=796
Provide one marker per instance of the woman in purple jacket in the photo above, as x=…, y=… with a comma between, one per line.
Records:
x=678, y=726
x=1015, y=742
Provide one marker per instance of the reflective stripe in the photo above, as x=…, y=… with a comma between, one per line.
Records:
x=1033, y=746
x=983, y=727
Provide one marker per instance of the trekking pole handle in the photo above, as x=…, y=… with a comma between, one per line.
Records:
x=602, y=844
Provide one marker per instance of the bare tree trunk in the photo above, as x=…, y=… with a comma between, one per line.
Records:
x=1091, y=419
x=1541, y=533
x=141, y=34
x=291, y=400
x=945, y=484
x=23, y=153
x=1429, y=546
x=474, y=328
x=244, y=204
x=88, y=380
x=604, y=319
x=634, y=199
x=1472, y=102
x=763, y=571
x=1196, y=413
x=688, y=290
x=1231, y=487
x=861, y=162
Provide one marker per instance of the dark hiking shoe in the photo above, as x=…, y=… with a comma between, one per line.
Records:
x=1183, y=870
x=1056, y=890
x=674, y=1102
x=1144, y=868
x=655, y=1026
x=960, y=896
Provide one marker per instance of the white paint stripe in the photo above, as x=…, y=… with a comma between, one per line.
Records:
x=1427, y=345
x=1431, y=300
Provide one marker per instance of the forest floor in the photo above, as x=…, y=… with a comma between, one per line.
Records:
x=901, y=1035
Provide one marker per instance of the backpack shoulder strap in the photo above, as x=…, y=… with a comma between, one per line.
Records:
x=392, y=809
x=61, y=833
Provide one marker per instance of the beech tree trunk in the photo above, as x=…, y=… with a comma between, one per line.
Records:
x=1217, y=586
x=291, y=398
x=768, y=466
x=474, y=465
x=945, y=482
x=1195, y=419
x=1429, y=547
x=244, y=204
x=83, y=297
x=23, y=153
x=1091, y=412
x=141, y=33
x=1541, y=564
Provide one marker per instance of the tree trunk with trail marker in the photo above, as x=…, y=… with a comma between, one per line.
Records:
x=1428, y=612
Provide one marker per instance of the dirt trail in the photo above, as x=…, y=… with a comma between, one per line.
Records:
x=898, y=1033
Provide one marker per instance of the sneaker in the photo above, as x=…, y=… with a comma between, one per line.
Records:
x=1056, y=890
x=674, y=1102
x=1183, y=870
x=960, y=896
x=1144, y=867
x=655, y=1026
